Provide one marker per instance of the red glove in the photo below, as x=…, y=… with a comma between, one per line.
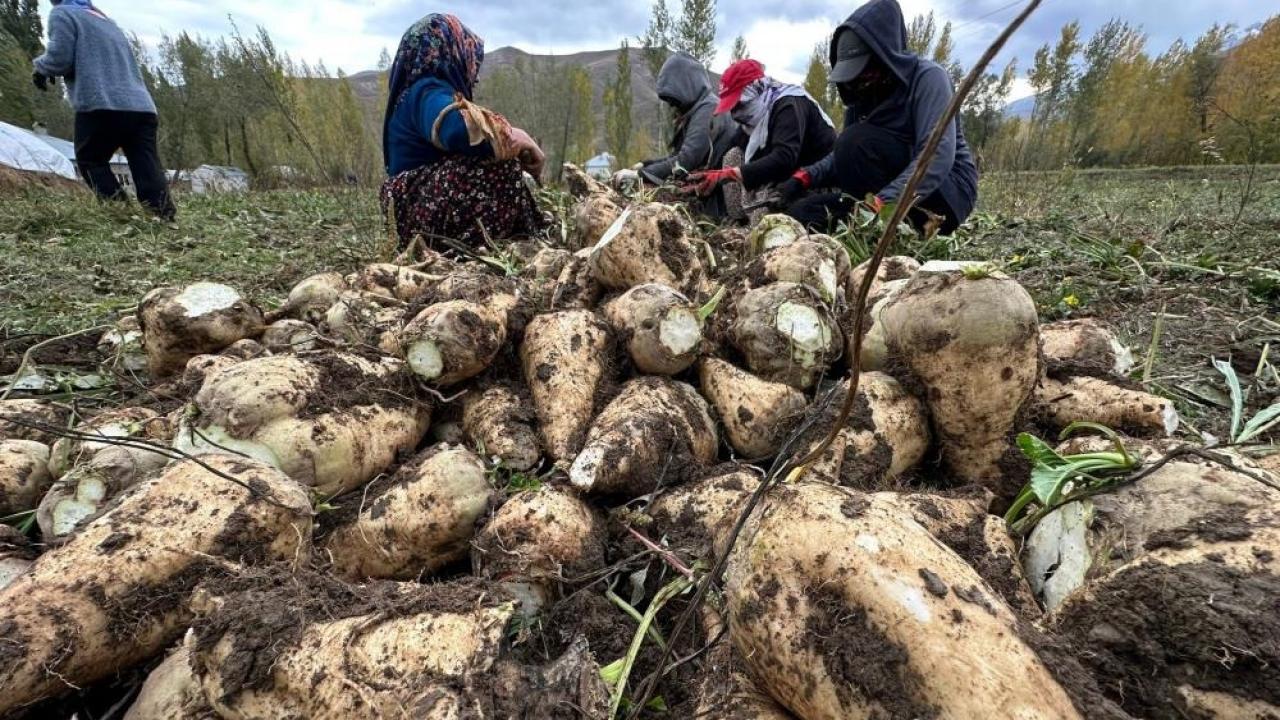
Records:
x=705, y=183
x=875, y=204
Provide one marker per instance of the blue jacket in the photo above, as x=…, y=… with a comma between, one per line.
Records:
x=924, y=90
x=409, y=145
x=93, y=54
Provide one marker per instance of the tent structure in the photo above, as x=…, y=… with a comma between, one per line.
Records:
x=23, y=150
x=600, y=166
x=218, y=179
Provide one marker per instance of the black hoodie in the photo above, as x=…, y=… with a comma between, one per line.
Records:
x=921, y=97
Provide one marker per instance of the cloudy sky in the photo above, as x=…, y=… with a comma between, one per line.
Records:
x=350, y=34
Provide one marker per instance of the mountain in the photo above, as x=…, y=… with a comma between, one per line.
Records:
x=1021, y=108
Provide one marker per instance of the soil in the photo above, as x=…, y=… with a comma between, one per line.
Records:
x=1151, y=628
x=343, y=385
x=1001, y=570
x=267, y=610
x=865, y=665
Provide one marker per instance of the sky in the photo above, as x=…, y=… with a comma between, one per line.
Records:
x=350, y=34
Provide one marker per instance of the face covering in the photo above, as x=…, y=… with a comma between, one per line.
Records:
x=747, y=112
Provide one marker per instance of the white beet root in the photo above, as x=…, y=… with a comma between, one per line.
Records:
x=822, y=570
x=756, y=413
x=24, y=475
x=786, y=333
x=329, y=421
x=1085, y=343
x=540, y=540
x=565, y=356
x=1087, y=399
x=288, y=335
x=180, y=323
x=971, y=337
x=500, y=422
x=661, y=327
x=653, y=423
x=647, y=244
x=155, y=543
x=417, y=521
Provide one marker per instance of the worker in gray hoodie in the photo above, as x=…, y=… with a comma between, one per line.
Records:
x=893, y=98
x=114, y=111
x=700, y=138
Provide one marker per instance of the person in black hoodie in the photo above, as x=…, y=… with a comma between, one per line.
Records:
x=783, y=129
x=893, y=99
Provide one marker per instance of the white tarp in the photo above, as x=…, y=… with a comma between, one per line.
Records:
x=22, y=150
x=218, y=179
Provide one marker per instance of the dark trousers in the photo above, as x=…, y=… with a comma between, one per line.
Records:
x=100, y=133
x=867, y=159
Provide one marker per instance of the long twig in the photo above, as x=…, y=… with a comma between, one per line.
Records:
x=26, y=356
x=923, y=161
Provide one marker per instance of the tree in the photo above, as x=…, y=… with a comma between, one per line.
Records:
x=1204, y=67
x=15, y=80
x=583, y=141
x=384, y=60
x=617, y=102
x=696, y=30
x=983, y=111
x=920, y=34
x=658, y=38
x=21, y=20
x=816, y=84
x=1053, y=74
x=739, y=51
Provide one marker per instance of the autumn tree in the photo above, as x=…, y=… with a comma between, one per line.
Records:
x=739, y=51
x=816, y=80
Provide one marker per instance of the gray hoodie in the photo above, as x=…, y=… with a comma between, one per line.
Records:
x=684, y=83
x=90, y=51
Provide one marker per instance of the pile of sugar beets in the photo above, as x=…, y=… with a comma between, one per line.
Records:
x=445, y=491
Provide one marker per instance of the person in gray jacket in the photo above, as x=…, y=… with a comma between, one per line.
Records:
x=114, y=111
x=700, y=138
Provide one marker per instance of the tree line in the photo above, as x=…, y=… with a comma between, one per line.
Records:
x=1105, y=100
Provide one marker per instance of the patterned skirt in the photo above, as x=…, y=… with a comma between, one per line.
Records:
x=461, y=198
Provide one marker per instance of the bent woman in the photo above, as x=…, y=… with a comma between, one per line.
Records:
x=783, y=129
x=454, y=168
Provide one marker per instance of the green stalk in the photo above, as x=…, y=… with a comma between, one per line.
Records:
x=627, y=608
x=706, y=311
x=665, y=595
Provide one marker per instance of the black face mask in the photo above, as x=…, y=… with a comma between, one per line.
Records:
x=848, y=92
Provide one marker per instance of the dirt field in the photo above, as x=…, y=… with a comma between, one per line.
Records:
x=1192, y=251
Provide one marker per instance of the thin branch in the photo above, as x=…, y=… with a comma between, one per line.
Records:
x=923, y=162
x=26, y=356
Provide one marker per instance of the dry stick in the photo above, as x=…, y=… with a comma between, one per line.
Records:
x=26, y=356
x=923, y=161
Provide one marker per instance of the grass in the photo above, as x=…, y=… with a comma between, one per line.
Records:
x=1138, y=248
x=68, y=262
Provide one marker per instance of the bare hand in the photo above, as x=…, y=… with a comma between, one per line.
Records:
x=528, y=153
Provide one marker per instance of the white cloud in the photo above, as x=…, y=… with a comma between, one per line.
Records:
x=781, y=45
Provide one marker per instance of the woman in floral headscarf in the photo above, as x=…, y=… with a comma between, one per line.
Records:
x=454, y=167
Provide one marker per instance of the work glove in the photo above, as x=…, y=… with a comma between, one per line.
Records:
x=874, y=204
x=794, y=187
x=705, y=183
x=40, y=81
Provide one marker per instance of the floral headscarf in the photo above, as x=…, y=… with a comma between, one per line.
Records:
x=437, y=46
